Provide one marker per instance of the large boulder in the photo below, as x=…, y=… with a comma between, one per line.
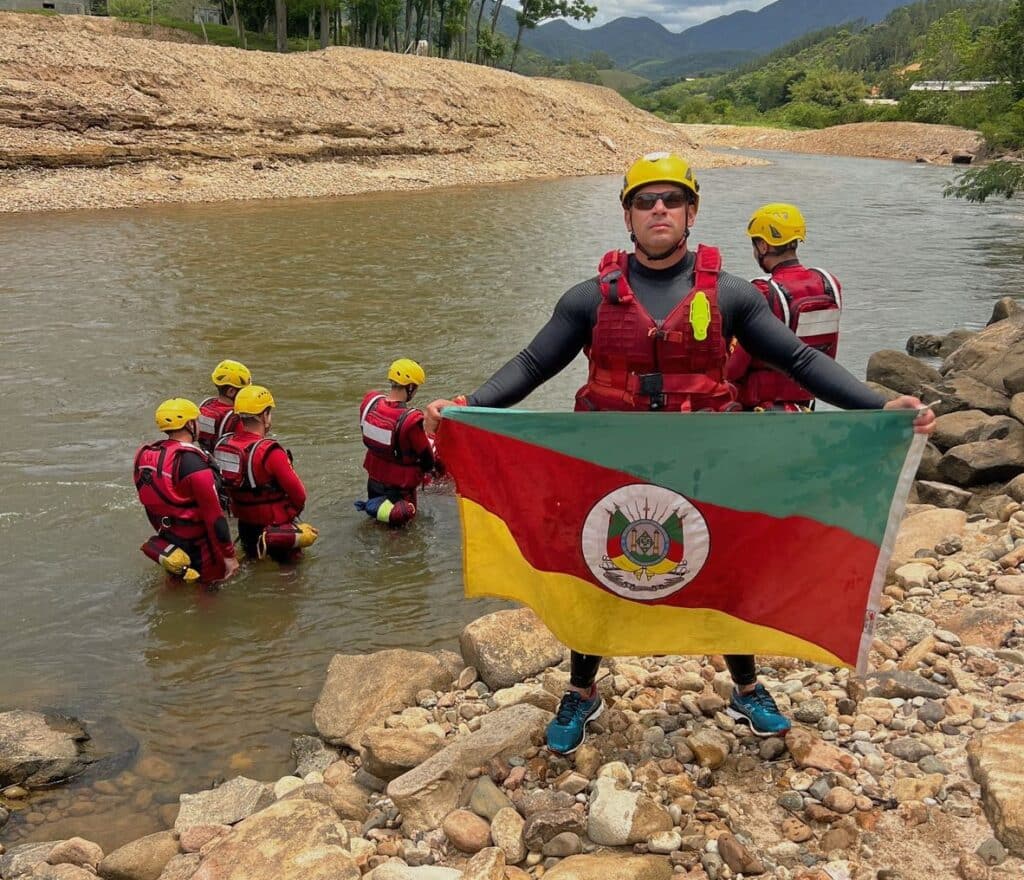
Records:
x=887, y=393
x=362, y=690
x=1013, y=383
x=388, y=752
x=142, y=859
x=1015, y=488
x=395, y=869
x=986, y=626
x=998, y=369
x=928, y=469
x=76, y=851
x=1017, y=405
x=942, y=494
x=969, y=425
x=606, y=867
x=986, y=346
x=21, y=859
x=429, y=792
x=900, y=371
x=912, y=627
x=621, y=818
x=964, y=392
x=225, y=805
x=292, y=839
x=984, y=461
x=995, y=763
x=1004, y=308
x=507, y=646
x=941, y=345
x=40, y=749
x=923, y=530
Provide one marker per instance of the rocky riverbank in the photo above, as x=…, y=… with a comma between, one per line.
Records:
x=975, y=461
x=909, y=141
x=99, y=115
x=430, y=766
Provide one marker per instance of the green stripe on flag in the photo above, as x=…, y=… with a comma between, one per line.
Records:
x=723, y=458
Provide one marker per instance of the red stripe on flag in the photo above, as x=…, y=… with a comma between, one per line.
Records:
x=798, y=575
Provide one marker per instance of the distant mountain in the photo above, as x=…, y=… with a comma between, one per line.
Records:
x=633, y=41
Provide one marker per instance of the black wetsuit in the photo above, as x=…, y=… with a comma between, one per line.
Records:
x=745, y=315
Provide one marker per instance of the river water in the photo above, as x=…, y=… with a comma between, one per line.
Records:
x=106, y=313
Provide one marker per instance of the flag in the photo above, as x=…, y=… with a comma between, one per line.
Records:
x=697, y=533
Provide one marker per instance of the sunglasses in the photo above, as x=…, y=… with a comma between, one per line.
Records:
x=672, y=198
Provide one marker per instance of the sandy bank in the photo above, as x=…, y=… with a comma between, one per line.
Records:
x=873, y=140
x=99, y=115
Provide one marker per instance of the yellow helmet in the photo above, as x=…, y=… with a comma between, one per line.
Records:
x=659, y=168
x=778, y=224
x=252, y=400
x=174, y=414
x=231, y=373
x=406, y=372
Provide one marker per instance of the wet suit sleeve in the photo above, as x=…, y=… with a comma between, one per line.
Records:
x=747, y=316
x=198, y=476
x=551, y=351
x=281, y=470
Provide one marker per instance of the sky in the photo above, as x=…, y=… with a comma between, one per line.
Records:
x=676, y=15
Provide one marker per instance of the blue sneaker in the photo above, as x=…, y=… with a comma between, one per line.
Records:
x=569, y=726
x=758, y=709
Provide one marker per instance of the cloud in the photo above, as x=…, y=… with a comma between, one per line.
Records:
x=676, y=15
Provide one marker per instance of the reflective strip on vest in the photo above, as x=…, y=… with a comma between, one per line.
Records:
x=227, y=461
x=375, y=432
x=207, y=425
x=252, y=458
x=810, y=324
x=378, y=434
x=832, y=283
x=783, y=300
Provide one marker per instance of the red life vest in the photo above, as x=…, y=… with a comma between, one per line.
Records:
x=637, y=363
x=216, y=419
x=155, y=473
x=255, y=495
x=809, y=301
x=387, y=460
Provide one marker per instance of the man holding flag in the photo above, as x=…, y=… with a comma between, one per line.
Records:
x=655, y=326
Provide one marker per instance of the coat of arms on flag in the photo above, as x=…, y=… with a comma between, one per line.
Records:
x=644, y=542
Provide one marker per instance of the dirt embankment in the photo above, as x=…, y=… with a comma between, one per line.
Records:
x=874, y=140
x=96, y=114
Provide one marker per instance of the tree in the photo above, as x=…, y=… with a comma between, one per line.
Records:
x=533, y=12
x=1007, y=52
x=239, y=25
x=1003, y=178
x=829, y=88
x=281, y=22
x=948, y=47
x=490, y=47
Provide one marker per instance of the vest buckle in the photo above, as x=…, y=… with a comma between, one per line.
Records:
x=652, y=386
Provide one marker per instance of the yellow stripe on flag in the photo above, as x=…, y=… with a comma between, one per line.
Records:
x=593, y=621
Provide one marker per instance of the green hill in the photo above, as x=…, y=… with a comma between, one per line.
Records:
x=823, y=78
x=621, y=80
